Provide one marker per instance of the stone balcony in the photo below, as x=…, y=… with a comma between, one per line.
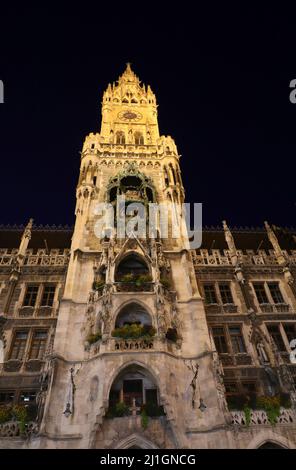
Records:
x=15, y=365
x=277, y=308
x=138, y=345
x=242, y=359
x=39, y=312
x=15, y=429
x=251, y=258
x=259, y=417
x=133, y=344
x=133, y=287
x=220, y=309
x=41, y=258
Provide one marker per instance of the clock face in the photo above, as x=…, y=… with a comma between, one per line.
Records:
x=128, y=115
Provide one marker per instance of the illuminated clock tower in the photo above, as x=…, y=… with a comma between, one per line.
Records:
x=132, y=363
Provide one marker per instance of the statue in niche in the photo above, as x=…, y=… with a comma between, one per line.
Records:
x=263, y=358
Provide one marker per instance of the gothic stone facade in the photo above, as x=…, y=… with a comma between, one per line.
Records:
x=141, y=342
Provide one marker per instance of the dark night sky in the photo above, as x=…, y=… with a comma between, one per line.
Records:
x=222, y=83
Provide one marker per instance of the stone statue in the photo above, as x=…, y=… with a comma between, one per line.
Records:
x=263, y=358
x=69, y=409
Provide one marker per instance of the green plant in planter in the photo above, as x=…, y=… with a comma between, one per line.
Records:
x=98, y=285
x=93, y=338
x=165, y=282
x=247, y=412
x=5, y=413
x=272, y=407
x=19, y=412
x=143, y=279
x=121, y=409
x=144, y=419
x=129, y=277
x=134, y=331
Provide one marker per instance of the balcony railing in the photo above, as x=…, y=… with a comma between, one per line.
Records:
x=16, y=365
x=222, y=258
x=41, y=258
x=15, y=429
x=133, y=344
x=42, y=311
x=271, y=308
x=259, y=417
x=242, y=359
x=219, y=308
x=134, y=287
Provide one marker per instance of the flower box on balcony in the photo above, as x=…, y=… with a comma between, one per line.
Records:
x=134, y=331
x=33, y=365
x=13, y=365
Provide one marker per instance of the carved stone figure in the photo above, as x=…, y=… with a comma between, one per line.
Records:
x=263, y=358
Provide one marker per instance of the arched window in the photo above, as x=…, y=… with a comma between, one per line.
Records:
x=132, y=314
x=135, y=386
x=139, y=139
x=131, y=264
x=120, y=138
x=270, y=445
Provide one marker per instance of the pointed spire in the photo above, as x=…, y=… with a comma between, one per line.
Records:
x=128, y=75
x=26, y=237
x=275, y=244
x=229, y=240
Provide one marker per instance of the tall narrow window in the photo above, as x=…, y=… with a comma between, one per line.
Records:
x=120, y=138
x=31, y=296
x=237, y=340
x=48, y=296
x=173, y=173
x=38, y=345
x=210, y=294
x=19, y=345
x=274, y=331
x=139, y=139
x=225, y=293
x=275, y=293
x=261, y=293
x=166, y=176
x=220, y=339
